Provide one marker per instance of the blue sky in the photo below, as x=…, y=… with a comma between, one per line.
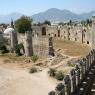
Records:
x=30, y=7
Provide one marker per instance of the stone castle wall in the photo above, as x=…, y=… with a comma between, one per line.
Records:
x=76, y=33
x=40, y=44
x=40, y=35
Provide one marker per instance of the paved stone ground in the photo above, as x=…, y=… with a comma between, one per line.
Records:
x=87, y=87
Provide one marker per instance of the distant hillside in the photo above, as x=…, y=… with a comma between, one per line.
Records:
x=56, y=15
x=87, y=15
x=53, y=15
x=7, y=18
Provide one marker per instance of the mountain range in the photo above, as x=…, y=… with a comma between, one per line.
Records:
x=53, y=15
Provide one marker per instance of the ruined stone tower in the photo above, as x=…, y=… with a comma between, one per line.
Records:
x=93, y=32
x=28, y=44
x=13, y=41
x=51, y=50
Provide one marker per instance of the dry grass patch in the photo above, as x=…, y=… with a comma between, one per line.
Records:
x=71, y=48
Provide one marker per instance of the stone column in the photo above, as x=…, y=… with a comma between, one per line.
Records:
x=81, y=70
x=60, y=89
x=93, y=54
x=68, y=33
x=67, y=85
x=84, y=66
x=51, y=50
x=87, y=62
x=93, y=32
x=1, y=38
x=90, y=59
x=77, y=72
x=73, y=80
x=13, y=41
x=28, y=44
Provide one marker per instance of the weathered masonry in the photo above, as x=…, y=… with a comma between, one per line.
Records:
x=37, y=41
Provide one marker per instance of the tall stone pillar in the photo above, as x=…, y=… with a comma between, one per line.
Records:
x=68, y=33
x=13, y=41
x=28, y=44
x=93, y=32
x=51, y=50
x=93, y=55
x=73, y=80
x=77, y=72
x=67, y=85
x=1, y=39
x=81, y=70
x=60, y=89
x=87, y=62
x=84, y=66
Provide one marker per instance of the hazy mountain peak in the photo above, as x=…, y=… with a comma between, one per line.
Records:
x=53, y=15
x=53, y=9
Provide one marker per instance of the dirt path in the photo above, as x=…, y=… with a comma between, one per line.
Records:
x=19, y=82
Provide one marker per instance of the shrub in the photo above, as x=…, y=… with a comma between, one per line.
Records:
x=70, y=64
x=34, y=58
x=59, y=75
x=33, y=70
x=52, y=72
x=18, y=48
x=51, y=93
x=3, y=49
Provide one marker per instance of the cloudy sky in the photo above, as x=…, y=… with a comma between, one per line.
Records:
x=31, y=7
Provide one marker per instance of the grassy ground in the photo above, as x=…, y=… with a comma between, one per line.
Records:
x=13, y=57
x=71, y=48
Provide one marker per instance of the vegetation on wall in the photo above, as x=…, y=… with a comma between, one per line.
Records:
x=3, y=49
x=18, y=48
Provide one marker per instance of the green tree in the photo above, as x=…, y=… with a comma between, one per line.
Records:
x=47, y=22
x=89, y=22
x=23, y=24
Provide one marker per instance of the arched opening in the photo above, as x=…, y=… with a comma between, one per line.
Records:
x=43, y=31
x=87, y=42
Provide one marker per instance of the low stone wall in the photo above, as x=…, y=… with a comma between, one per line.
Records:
x=75, y=77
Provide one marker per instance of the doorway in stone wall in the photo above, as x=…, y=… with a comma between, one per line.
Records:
x=58, y=33
x=87, y=42
x=43, y=31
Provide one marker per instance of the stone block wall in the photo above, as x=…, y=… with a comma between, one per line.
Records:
x=76, y=33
